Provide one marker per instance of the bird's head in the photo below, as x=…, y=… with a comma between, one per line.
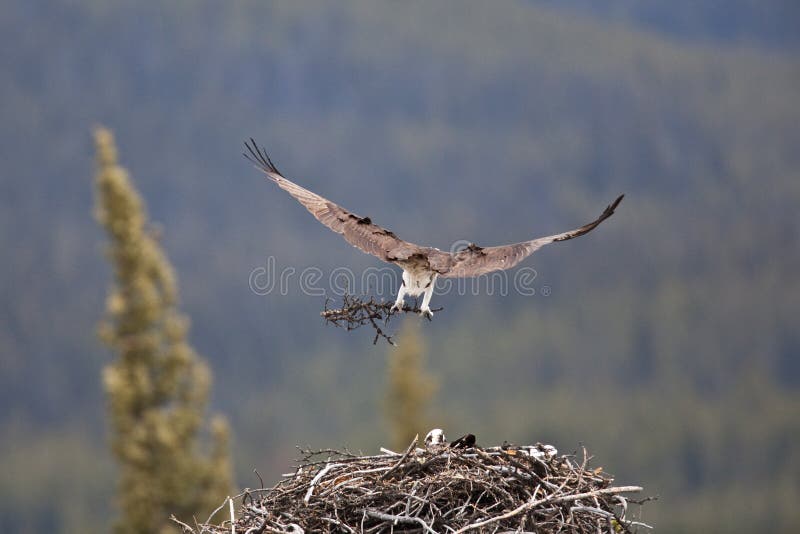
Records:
x=435, y=437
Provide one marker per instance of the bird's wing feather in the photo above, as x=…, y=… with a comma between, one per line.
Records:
x=360, y=232
x=475, y=261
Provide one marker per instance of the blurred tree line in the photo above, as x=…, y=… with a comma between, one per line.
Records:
x=158, y=387
x=667, y=343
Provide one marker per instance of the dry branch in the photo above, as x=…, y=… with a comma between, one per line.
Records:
x=358, y=311
x=437, y=490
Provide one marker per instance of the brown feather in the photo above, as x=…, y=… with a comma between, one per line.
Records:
x=368, y=237
x=475, y=261
x=360, y=232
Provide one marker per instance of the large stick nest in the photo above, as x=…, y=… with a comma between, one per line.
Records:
x=440, y=489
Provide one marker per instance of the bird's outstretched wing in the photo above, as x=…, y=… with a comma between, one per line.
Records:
x=475, y=261
x=360, y=232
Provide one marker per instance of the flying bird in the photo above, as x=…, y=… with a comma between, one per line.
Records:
x=421, y=265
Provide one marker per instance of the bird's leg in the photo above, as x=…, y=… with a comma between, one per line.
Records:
x=425, y=309
x=398, y=304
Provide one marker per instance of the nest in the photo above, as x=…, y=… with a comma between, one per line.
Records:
x=439, y=489
x=357, y=312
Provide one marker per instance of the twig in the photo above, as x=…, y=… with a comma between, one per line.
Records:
x=604, y=491
x=220, y=507
x=186, y=528
x=400, y=519
x=410, y=448
x=317, y=478
x=550, y=498
x=261, y=480
x=233, y=517
x=357, y=312
x=259, y=529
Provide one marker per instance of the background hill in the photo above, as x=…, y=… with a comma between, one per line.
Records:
x=667, y=341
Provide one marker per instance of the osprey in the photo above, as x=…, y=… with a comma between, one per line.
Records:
x=435, y=438
x=421, y=265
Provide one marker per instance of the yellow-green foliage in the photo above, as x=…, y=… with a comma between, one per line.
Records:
x=410, y=386
x=157, y=389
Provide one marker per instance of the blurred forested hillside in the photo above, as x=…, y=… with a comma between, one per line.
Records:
x=667, y=340
x=771, y=24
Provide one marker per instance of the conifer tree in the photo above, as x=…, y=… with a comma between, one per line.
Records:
x=157, y=388
x=410, y=386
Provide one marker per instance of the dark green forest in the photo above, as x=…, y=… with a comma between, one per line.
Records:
x=666, y=341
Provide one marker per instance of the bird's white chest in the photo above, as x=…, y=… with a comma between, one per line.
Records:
x=417, y=281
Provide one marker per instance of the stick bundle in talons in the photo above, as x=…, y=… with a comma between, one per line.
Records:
x=359, y=311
